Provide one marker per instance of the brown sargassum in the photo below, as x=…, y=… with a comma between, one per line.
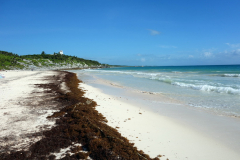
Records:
x=78, y=122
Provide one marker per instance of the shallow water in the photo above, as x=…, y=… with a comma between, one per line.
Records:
x=215, y=88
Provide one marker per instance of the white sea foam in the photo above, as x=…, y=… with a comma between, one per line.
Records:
x=176, y=72
x=133, y=73
x=182, y=81
x=209, y=88
x=230, y=75
x=164, y=79
x=226, y=75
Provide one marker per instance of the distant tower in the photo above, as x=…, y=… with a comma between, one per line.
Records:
x=61, y=52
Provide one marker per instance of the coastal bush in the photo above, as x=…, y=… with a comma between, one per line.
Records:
x=10, y=60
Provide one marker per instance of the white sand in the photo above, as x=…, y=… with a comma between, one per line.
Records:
x=21, y=113
x=173, y=130
x=170, y=133
x=23, y=110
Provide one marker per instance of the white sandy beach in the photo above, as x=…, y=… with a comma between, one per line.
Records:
x=172, y=129
x=23, y=110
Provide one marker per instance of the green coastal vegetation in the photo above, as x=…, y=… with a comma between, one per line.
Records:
x=9, y=60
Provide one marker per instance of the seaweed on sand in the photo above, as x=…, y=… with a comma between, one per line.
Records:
x=79, y=122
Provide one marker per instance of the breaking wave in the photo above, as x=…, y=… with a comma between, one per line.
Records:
x=209, y=88
x=230, y=75
x=182, y=81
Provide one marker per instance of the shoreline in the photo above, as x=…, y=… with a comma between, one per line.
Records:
x=168, y=130
x=78, y=131
x=189, y=131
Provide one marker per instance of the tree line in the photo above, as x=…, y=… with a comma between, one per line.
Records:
x=9, y=59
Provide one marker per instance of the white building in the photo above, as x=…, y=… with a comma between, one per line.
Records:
x=61, y=52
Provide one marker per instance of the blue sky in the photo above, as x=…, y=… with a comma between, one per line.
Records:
x=125, y=32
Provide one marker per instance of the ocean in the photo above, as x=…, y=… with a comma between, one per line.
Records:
x=214, y=88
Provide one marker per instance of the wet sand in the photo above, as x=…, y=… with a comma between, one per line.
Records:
x=159, y=125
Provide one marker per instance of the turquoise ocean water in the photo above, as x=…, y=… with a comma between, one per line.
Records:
x=214, y=88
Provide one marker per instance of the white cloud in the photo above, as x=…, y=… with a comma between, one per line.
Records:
x=208, y=54
x=233, y=45
x=235, y=52
x=231, y=53
x=190, y=56
x=143, y=59
x=153, y=32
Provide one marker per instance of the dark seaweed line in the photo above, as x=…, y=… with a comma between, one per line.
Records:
x=79, y=122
